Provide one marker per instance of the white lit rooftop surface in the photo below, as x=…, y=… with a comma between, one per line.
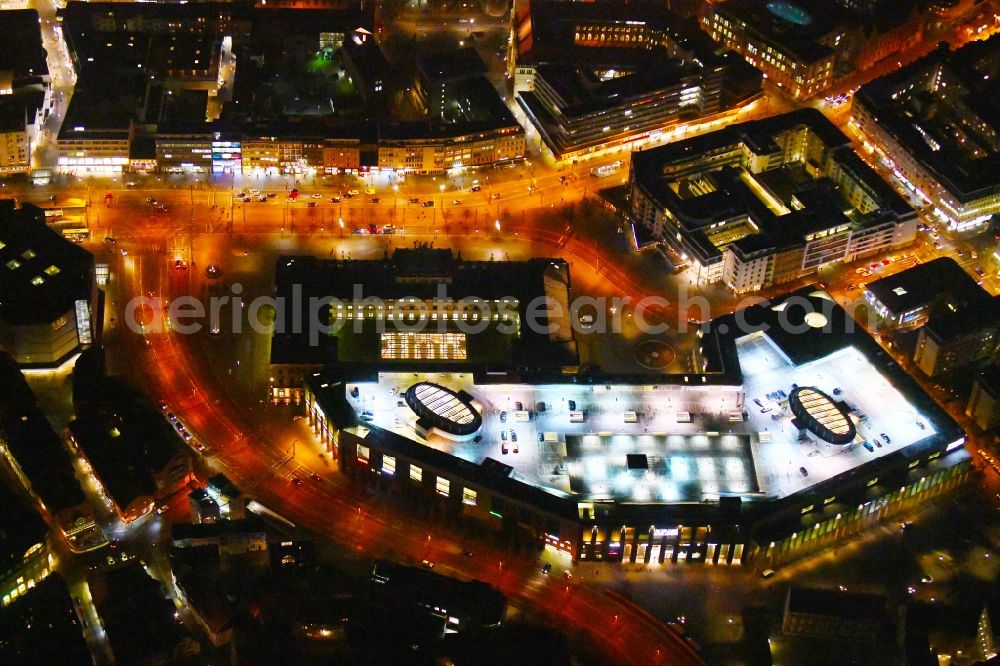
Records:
x=444, y=404
x=703, y=459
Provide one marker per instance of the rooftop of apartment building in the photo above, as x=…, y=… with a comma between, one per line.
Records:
x=797, y=28
x=21, y=50
x=45, y=274
x=20, y=108
x=127, y=442
x=33, y=443
x=943, y=111
x=21, y=527
x=721, y=204
x=939, y=279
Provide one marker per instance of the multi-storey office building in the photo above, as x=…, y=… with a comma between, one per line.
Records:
x=908, y=298
x=34, y=456
x=596, y=76
x=798, y=48
x=764, y=202
x=959, y=337
x=767, y=450
x=49, y=302
x=936, y=124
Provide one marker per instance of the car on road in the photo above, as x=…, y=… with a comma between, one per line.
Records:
x=171, y=417
x=413, y=200
x=374, y=200
x=427, y=564
x=162, y=405
x=503, y=417
x=151, y=201
x=496, y=195
x=869, y=447
x=503, y=448
x=334, y=199
x=296, y=481
x=317, y=196
x=428, y=204
x=367, y=415
x=311, y=204
x=513, y=435
x=314, y=476
x=456, y=202
x=503, y=435
x=353, y=193
x=567, y=574
x=979, y=271
x=109, y=240
x=475, y=188
x=885, y=438
x=767, y=573
x=262, y=198
x=466, y=552
x=546, y=568
x=803, y=471
x=180, y=265
x=369, y=190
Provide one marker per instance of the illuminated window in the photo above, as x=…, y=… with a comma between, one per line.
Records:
x=388, y=464
x=13, y=263
x=29, y=254
x=443, y=486
x=416, y=474
x=468, y=496
x=363, y=453
x=52, y=270
x=37, y=280
x=432, y=346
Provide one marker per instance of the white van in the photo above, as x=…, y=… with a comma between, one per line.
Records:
x=577, y=417
x=630, y=417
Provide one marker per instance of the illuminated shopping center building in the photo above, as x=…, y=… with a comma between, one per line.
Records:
x=786, y=428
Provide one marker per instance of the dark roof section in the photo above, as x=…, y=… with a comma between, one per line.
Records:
x=30, y=252
x=800, y=39
x=21, y=50
x=21, y=527
x=474, y=599
x=906, y=106
x=41, y=627
x=545, y=32
x=926, y=283
x=420, y=273
x=959, y=323
x=834, y=603
x=128, y=443
x=453, y=65
x=138, y=619
x=20, y=108
x=33, y=443
x=989, y=379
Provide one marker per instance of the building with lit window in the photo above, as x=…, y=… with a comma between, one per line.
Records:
x=959, y=337
x=132, y=453
x=34, y=458
x=594, y=76
x=767, y=201
x=984, y=401
x=25, y=93
x=768, y=449
x=935, y=123
x=369, y=311
x=908, y=298
x=799, y=47
x=48, y=299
